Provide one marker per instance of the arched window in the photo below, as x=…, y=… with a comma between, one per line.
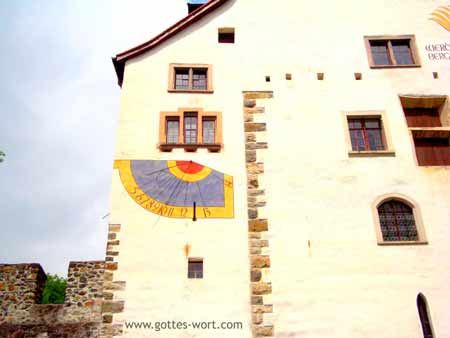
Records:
x=424, y=317
x=397, y=221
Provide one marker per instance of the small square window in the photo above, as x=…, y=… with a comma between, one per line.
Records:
x=392, y=51
x=195, y=268
x=190, y=78
x=226, y=35
x=366, y=134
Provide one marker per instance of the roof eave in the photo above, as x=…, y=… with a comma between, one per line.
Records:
x=120, y=59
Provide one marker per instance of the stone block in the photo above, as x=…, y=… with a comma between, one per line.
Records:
x=258, y=95
x=260, y=288
x=255, y=275
x=262, y=308
x=114, y=228
x=264, y=331
x=250, y=156
x=257, y=300
x=107, y=318
x=254, y=126
x=252, y=213
x=255, y=168
x=252, y=181
x=113, y=306
x=258, y=225
x=260, y=261
x=257, y=317
x=250, y=137
x=111, y=266
x=249, y=103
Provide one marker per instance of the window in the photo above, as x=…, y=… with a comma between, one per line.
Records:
x=190, y=78
x=172, y=129
x=428, y=121
x=367, y=134
x=209, y=130
x=195, y=268
x=226, y=35
x=190, y=130
x=392, y=51
x=424, y=316
x=398, y=221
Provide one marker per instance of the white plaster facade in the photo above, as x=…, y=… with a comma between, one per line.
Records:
x=343, y=284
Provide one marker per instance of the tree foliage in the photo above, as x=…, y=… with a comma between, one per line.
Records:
x=2, y=154
x=54, y=290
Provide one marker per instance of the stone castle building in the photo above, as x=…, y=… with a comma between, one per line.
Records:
x=282, y=169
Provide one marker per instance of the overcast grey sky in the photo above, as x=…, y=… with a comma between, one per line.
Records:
x=59, y=103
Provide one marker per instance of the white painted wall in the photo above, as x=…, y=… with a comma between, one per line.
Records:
x=346, y=285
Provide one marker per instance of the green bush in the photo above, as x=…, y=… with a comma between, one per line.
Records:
x=54, y=290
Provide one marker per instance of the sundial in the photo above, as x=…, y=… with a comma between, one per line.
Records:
x=178, y=189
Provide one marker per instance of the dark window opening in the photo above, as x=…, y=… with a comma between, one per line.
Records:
x=397, y=222
x=366, y=134
x=226, y=36
x=195, y=268
x=424, y=317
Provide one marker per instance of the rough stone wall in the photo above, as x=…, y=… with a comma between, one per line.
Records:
x=258, y=227
x=78, y=317
x=85, y=283
x=21, y=286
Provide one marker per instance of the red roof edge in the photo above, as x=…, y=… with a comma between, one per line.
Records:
x=120, y=59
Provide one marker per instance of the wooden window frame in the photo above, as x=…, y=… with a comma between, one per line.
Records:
x=190, y=67
x=385, y=133
x=217, y=146
x=422, y=239
x=389, y=38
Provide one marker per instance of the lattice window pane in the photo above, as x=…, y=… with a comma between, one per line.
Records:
x=209, y=131
x=173, y=129
x=402, y=52
x=357, y=138
x=181, y=78
x=397, y=222
x=380, y=52
x=190, y=128
x=375, y=139
x=199, y=79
